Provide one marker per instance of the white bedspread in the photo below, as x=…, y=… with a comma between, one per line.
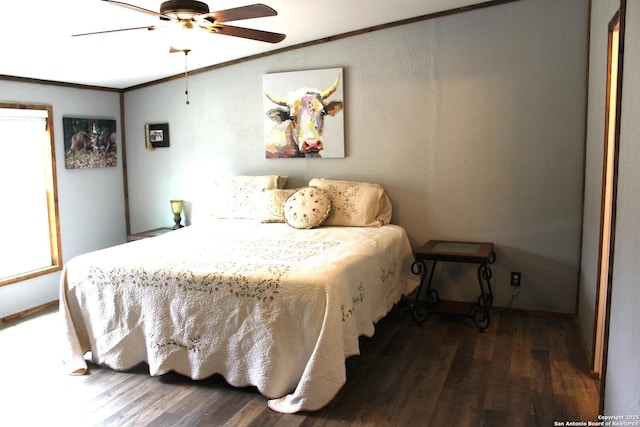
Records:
x=261, y=304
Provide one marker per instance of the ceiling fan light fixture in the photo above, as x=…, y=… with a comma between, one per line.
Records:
x=183, y=9
x=181, y=36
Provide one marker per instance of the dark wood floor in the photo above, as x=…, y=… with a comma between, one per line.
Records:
x=525, y=370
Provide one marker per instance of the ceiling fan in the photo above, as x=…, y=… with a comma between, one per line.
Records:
x=193, y=14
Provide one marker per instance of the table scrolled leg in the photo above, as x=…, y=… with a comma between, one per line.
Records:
x=481, y=318
x=481, y=314
x=486, y=294
x=419, y=268
x=432, y=298
x=420, y=312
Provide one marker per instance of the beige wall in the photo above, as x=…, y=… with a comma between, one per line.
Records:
x=473, y=123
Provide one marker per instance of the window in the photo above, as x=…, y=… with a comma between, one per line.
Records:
x=30, y=236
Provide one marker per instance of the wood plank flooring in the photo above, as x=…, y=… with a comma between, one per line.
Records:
x=525, y=370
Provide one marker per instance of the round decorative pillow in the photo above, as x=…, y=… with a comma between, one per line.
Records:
x=307, y=208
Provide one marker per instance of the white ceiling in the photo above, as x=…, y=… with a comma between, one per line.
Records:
x=37, y=43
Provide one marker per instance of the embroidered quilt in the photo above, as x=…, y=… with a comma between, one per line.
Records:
x=261, y=304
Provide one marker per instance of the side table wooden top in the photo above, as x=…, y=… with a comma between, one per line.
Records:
x=149, y=233
x=457, y=251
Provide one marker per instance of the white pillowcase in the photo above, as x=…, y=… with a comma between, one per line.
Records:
x=272, y=204
x=355, y=204
x=240, y=196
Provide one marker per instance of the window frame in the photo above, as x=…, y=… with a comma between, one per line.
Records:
x=52, y=201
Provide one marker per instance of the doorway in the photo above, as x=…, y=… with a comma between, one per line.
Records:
x=609, y=190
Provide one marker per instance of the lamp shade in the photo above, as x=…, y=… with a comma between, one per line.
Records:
x=176, y=206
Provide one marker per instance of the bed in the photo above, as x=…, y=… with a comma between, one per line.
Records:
x=265, y=302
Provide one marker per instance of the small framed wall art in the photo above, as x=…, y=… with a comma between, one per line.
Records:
x=156, y=135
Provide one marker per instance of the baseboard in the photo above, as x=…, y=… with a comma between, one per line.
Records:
x=409, y=300
x=29, y=311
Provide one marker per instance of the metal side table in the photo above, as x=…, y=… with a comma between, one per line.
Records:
x=480, y=253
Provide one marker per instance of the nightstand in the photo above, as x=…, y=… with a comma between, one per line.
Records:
x=480, y=253
x=149, y=233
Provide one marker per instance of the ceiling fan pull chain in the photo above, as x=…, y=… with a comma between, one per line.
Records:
x=186, y=76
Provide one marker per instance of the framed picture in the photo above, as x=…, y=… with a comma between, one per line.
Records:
x=89, y=143
x=303, y=114
x=156, y=135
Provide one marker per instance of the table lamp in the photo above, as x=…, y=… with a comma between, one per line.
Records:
x=176, y=208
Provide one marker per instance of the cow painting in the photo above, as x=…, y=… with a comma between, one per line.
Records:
x=299, y=119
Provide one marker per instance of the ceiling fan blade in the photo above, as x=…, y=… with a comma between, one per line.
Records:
x=153, y=27
x=139, y=9
x=248, y=33
x=237, y=13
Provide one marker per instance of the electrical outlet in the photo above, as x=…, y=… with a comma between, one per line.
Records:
x=516, y=277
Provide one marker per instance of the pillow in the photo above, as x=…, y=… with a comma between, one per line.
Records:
x=355, y=204
x=307, y=208
x=239, y=196
x=272, y=207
